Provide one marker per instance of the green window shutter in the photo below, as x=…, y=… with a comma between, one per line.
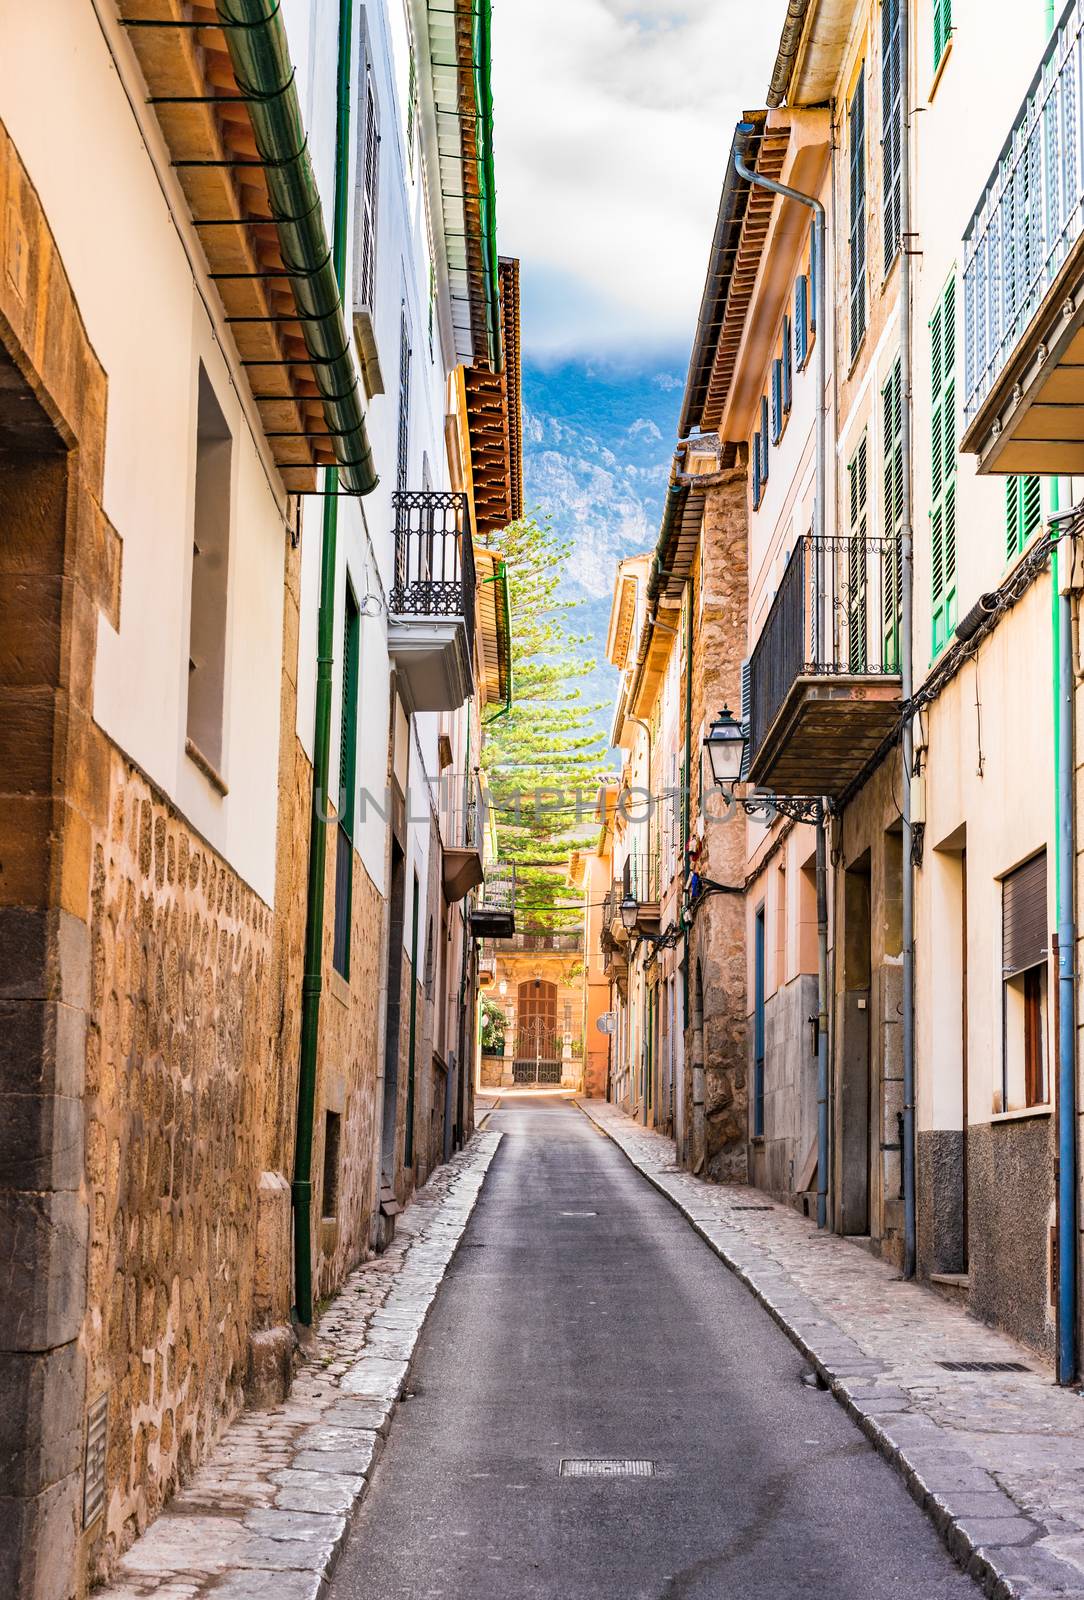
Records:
x=891, y=130
x=348, y=732
x=857, y=550
x=942, y=29
x=857, y=125
x=1023, y=512
x=411, y=107
x=943, y=460
x=892, y=564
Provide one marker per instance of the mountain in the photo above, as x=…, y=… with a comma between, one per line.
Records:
x=597, y=443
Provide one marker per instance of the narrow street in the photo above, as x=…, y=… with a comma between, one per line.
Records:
x=583, y=1318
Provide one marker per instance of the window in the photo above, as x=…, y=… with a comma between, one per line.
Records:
x=763, y=439
x=856, y=121
x=758, y=487
x=942, y=30
x=369, y=170
x=758, y=1025
x=329, y=1193
x=411, y=109
x=403, y=453
x=801, y=321
x=210, y=584
x=891, y=130
x=943, y=457
x=892, y=565
x=348, y=746
x=788, y=368
x=857, y=546
x=1023, y=512
x=1024, y=986
x=777, y=399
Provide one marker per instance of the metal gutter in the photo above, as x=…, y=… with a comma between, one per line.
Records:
x=728, y=225
x=312, y=981
x=256, y=38
x=787, y=54
x=487, y=188
x=907, y=679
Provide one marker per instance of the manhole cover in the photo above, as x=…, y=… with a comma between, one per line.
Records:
x=605, y=1467
x=984, y=1366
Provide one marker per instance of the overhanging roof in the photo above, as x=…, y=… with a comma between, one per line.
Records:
x=494, y=430
x=460, y=67
x=205, y=118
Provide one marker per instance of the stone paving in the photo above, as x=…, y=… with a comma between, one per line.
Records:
x=266, y=1515
x=995, y=1459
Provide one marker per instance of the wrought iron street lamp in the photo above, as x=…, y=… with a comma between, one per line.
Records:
x=630, y=911
x=725, y=743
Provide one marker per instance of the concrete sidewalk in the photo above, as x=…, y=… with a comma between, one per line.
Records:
x=267, y=1514
x=996, y=1459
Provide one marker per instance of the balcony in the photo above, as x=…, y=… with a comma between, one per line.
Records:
x=431, y=604
x=1024, y=280
x=824, y=677
x=494, y=915
x=541, y=941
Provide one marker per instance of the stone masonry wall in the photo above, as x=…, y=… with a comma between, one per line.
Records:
x=718, y=942
x=178, y=1045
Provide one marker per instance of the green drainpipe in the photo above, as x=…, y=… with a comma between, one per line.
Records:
x=312, y=982
x=260, y=55
x=487, y=189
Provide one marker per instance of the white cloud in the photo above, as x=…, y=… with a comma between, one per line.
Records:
x=645, y=426
x=613, y=122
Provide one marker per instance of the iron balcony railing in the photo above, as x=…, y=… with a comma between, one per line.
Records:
x=498, y=889
x=567, y=943
x=1030, y=214
x=835, y=614
x=640, y=877
x=434, y=556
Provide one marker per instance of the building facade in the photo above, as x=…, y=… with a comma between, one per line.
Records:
x=246, y=461
x=872, y=505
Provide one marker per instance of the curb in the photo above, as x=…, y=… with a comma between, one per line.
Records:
x=286, y=1538
x=957, y=1530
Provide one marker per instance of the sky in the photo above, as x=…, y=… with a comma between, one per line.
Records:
x=613, y=123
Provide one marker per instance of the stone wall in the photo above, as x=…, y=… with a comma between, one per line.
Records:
x=1011, y=1210
x=717, y=946
x=179, y=1045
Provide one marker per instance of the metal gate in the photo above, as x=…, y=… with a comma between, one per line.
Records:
x=538, y=1052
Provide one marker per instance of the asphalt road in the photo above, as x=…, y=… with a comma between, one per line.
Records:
x=582, y=1317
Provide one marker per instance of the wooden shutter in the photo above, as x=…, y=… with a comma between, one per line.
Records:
x=857, y=126
x=943, y=458
x=746, y=712
x=369, y=175
x=757, y=492
x=1023, y=511
x=348, y=731
x=788, y=368
x=763, y=439
x=1024, y=941
x=403, y=453
x=801, y=320
x=777, y=399
x=942, y=29
x=891, y=129
x=858, y=494
x=892, y=563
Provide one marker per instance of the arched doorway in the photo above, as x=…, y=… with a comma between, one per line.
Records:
x=537, y=1056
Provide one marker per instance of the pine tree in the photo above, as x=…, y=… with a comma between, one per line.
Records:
x=545, y=759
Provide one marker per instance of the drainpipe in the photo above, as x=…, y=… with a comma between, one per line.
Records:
x=820, y=304
x=1062, y=628
x=1064, y=679
x=907, y=1154
x=312, y=982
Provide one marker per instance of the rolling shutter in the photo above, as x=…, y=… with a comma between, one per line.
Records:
x=1024, y=939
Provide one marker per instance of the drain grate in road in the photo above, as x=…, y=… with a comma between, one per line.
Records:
x=984, y=1366
x=752, y=1208
x=605, y=1467
x=577, y=1213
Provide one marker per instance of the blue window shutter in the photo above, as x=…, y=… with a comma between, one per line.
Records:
x=764, y=438
x=745, y=712
x=777, y=400
x=801, y=320
x=756, y=472
x=788, y=368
